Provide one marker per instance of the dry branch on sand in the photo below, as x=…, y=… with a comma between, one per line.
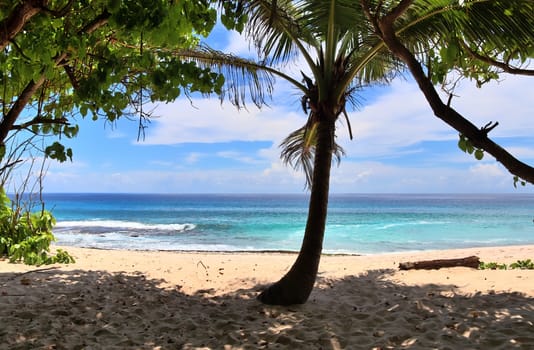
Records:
x=470, y=261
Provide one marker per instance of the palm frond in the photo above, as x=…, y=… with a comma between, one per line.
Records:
x=276, y=30
x=494, y=27
x=323, y=16
x=497, y=26
x=244, y=79
x=298, y=150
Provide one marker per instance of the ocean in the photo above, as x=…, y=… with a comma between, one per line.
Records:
x=357, y=223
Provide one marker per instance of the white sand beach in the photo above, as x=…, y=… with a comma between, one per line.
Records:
x=111, y=299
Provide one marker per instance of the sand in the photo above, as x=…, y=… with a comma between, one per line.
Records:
x=178, y=300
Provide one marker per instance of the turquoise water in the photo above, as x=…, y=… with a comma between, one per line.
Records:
x=360, y=224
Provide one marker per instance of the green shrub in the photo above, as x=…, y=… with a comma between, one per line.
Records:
x=523, y=264
x=26, y=237
x=519, y=264
x=492, y=266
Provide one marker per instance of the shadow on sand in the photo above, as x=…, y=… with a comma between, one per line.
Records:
x=55, y=309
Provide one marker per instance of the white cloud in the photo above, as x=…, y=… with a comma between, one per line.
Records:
x=114, y=134
x=160, y=163
x=238, y=45
x=488, y=170
x=355, y=177
x=376, y=177
x=210, y=122
x=509, y=102
x=397, y=119
x=193, y=157
x=179, y=181
x=402, y=117
x=521, y=152
x=239, y=157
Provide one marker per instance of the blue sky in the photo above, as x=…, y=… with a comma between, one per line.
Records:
x=201, y=146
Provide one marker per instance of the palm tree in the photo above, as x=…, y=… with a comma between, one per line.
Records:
x=341, y=56
x=343, y=50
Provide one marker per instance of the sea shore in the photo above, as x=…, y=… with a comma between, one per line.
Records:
x=114, y=299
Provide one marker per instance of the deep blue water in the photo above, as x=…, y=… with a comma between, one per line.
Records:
x=359, y=224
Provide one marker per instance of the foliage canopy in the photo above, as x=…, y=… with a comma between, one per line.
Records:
x=98, y=58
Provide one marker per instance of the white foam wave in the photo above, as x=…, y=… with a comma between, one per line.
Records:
x=125, y=225
x=410, y=223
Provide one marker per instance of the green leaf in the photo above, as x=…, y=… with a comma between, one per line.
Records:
x=83, y=110
x=69, y=153
x=462, y=143
x=71, y=131
x=58, y=152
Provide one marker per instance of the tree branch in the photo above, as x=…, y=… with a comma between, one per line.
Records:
x=397, y=12
x=488, y=127
x=14, y=112
x=31, y=88
x=16, y=47
x=366, y=8
x=40, y=120
x=96, y=23
x=478, y=136
x=16, y=20
x=470, y=261
x=502, y=65
x=9, y=165
x=61, y=12
x=72, y=77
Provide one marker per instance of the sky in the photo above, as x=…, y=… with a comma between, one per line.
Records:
x=399, y=146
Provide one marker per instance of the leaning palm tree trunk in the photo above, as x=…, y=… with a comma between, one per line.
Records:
x=295, y=287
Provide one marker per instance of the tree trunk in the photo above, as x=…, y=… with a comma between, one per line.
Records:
x=22, y=101
x=295, y=287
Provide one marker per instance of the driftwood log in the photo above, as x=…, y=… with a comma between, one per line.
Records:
x=470, y=261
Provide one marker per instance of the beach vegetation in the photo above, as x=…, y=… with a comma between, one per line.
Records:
x=26, y=236
x=526, y=264
x=492, y=266
x=349, y=45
